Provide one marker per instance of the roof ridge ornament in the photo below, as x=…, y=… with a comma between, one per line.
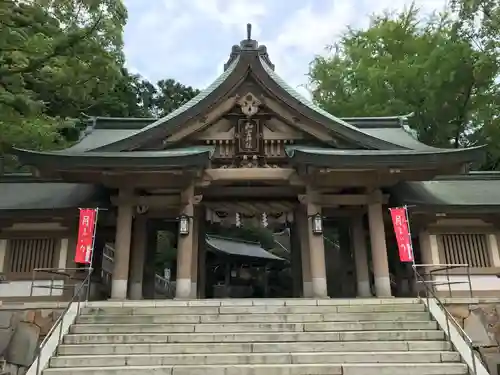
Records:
x=248, y=45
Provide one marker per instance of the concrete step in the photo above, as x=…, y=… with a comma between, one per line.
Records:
x=252, y=359
x=258, y=347
x=264, y=309
x=254, y=318
x=95, y=338
x=309, y=369
x=252, y=327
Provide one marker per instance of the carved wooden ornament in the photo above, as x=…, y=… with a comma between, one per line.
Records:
x=249, y=104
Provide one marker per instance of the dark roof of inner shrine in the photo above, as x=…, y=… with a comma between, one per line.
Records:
x=239, y=248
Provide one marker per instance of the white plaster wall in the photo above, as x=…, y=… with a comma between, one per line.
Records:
x=63, y=253
x=493, y=247
x=434, y=249
x=478, y=282
x=23, y=288
x=3, y=251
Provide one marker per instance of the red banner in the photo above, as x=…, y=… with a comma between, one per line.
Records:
x=402, y=231
x=86, y=228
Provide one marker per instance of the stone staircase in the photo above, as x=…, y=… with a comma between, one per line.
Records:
x=254, y=337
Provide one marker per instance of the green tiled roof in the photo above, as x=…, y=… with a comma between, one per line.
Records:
x=29, y=195
x=332, y=157
x=475, y=189
x=334, y=122
x=187, y=106
x=199, y=155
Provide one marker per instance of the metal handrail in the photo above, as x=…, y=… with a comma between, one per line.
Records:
x=437, y=270
x=81, y=290
x=429, y=294
x=165, y=284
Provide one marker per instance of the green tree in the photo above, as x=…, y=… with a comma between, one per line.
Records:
x=171, y=95
x=57, y=58
x=404, y=64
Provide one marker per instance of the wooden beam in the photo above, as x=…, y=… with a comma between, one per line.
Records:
x=251, y=191
x=334, y=200
x=150, y=201
x=249, y=174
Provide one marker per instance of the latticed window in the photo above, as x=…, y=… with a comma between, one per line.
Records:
x=467, y=248
x=27, y=254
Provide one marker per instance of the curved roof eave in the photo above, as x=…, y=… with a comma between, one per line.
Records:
x=91, y=159
x=391, y=158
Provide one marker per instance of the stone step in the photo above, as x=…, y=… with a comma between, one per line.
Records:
x=433, y=335
x=264, y=309
x=309, y=369
x=255, y=302
x=254, y=318
x=253, y=359
x=258, y=347
x=252, y=327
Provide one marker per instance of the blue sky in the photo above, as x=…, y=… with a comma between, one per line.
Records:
x=189, y=40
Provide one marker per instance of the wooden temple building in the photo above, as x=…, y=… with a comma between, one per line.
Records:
x=246, y=146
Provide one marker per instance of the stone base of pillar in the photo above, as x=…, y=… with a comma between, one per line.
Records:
x=194, y=290
x=183, y=288
x=364, y=289
x=119, y=289
x=319, y=287
x=308, y=289
x=383, y=287
x=136, y=290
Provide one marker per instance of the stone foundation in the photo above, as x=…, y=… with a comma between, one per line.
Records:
x=480, y=319
x=22, y=328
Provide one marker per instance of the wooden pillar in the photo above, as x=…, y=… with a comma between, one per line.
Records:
x=185, y=248
x=202, y=255
x=122, y=247
x=148, y=287
x=317, y=254
x=361, y=257
x=303, y=232
x=379, y=246
x=296, y=260
x=197, y=231
x=137, y=257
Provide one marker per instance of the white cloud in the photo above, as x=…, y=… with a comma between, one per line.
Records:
x=190, y=40
x=234, y=13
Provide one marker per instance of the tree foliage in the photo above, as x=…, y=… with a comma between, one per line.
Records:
x=444, y=69
x=54, y=56
x=60, y=59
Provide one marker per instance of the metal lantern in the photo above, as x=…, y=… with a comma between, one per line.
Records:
x=184, y=225
x=317, y=224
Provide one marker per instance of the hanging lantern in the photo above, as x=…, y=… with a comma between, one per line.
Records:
x=184, y=225
x=317, y=224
